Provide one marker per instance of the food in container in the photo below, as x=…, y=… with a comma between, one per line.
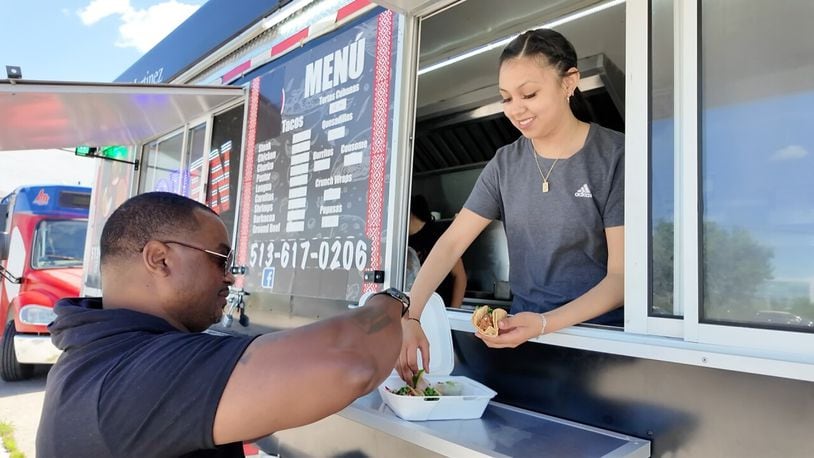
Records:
x=449, y=388
x=419, y=387
x=470, y=402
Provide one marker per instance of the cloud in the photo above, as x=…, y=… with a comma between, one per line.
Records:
x=97, y=10
x=788, y=153
x=143, y=29
x=140, y=28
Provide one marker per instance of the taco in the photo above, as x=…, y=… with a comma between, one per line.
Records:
x=485, y=319
x=417, y=387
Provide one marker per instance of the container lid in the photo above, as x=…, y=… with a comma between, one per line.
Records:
x=436, y=327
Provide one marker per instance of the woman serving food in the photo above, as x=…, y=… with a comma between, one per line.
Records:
x=558, y=190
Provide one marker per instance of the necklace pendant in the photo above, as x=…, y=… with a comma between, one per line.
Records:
x=545, y=186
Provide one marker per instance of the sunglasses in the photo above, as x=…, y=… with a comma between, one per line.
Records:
x=228, y=258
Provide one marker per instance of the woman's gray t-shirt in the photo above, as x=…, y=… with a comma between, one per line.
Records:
x=556, y=240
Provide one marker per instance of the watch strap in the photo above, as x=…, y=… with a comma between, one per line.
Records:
x=400, y=296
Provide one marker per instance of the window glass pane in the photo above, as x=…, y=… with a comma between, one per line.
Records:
x=662, y=159
x=757, y=163
x=162, y=165
x=59, y=244
x=191, y=185
x=224, y=164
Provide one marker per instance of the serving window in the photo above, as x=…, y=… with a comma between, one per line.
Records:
x=459, y=118
x=718, y=221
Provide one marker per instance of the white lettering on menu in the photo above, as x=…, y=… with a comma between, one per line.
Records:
x=335, y=69
x=264, y=220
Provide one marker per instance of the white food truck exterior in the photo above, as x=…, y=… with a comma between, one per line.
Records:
x=350, y=107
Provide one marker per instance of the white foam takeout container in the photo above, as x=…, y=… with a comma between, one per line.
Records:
x=474, y=396
x=471, y=404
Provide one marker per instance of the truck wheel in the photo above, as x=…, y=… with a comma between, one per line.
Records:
x=10, y=369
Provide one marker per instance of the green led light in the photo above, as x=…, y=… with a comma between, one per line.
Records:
x=114, y=152
x=85, y=150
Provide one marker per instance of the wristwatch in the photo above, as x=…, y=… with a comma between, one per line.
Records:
x=401, y=297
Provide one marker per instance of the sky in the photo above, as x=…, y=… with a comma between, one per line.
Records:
x=76, y=40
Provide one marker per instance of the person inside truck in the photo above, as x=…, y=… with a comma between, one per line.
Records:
x=424, y=232
x=558, y=190
x=138, y=377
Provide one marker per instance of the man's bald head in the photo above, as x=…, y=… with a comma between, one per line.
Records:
x=145, y=217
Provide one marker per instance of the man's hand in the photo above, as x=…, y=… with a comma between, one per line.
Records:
x=514, y=330
x=413, y=339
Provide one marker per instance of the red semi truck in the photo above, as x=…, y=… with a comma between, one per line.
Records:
x=42, y=245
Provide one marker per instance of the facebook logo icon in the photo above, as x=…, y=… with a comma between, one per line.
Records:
x=268, y=277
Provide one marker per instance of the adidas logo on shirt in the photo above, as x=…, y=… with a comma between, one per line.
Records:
x=583, y=192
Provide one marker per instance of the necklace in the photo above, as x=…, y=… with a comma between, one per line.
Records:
x=544, y=177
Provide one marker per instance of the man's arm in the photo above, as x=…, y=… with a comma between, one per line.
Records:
x=292, y=378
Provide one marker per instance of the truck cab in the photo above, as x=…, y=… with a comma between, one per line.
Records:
x=41, y=254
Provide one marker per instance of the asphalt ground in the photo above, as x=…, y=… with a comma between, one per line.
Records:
x=20, y=405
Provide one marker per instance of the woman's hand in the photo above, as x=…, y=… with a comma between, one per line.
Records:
x=515, y=330
x=413, y=338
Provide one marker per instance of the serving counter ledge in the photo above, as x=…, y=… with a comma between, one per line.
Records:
x=368, y=427
x=502, y=431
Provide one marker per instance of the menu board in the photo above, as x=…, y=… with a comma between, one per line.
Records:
x=315, y=173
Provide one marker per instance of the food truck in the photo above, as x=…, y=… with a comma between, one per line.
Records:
x=307, y=125
x=42, y=243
